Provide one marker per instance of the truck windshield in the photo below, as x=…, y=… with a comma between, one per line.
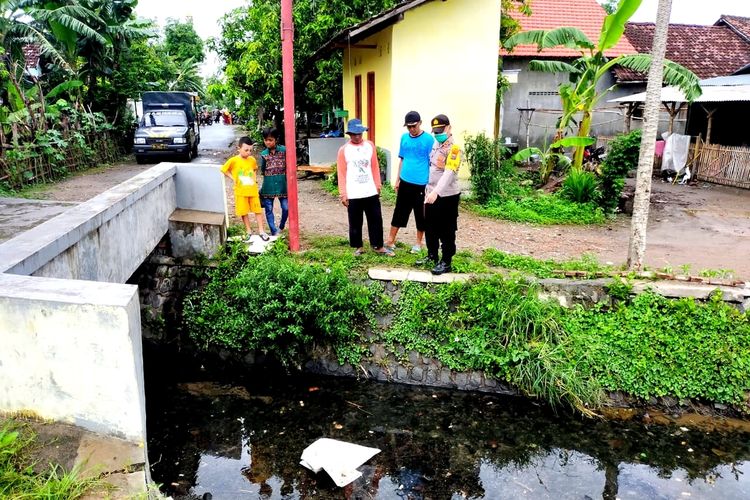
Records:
x=164, y=119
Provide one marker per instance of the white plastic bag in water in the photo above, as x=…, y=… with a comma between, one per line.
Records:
x=338, y=458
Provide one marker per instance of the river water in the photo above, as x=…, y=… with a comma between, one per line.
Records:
x=228, y=437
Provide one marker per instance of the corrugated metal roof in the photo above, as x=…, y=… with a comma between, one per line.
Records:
x=726, y=80
x=723, y=93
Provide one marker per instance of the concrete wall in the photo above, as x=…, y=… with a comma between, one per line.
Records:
x=72, y=352
x=608, y=119
x=323, y=151
x=441, y=58
x=71, y=349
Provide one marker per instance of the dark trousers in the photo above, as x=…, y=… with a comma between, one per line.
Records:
x=441, y=225
x=370, y=207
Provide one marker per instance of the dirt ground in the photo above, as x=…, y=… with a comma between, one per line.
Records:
x=706, y=226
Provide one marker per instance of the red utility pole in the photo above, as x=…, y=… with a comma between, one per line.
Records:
x=290, y=129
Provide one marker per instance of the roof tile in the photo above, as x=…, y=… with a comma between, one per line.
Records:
x=586, y=15
x=707, y=51
x=740, y=25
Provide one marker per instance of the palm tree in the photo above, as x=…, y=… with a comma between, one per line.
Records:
x=642, y=199
x=186, y=78
x=580, y=95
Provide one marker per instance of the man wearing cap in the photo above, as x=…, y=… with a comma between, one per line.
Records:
x=359, y=188
x=441, y=197
x=413, y=171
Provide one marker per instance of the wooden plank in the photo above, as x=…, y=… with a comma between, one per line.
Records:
x=315, y=169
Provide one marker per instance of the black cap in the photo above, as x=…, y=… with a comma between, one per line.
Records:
x=438, y=123
x=412, y=118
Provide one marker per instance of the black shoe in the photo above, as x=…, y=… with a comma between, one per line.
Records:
x=441, y=268
x=425, y=260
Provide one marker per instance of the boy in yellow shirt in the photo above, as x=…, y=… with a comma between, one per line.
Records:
x=241, y=170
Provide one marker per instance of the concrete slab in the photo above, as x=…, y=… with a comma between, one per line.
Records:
x=121, y=486
x=99, y=454
x=382, y=274
x=420, y=276
x=677, y=289
x=18, y=214
x=388, y=274
x=197, y=217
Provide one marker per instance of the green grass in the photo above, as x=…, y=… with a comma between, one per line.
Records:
x=543, y=268
x=18, y=478
x=328, y=250
x=543, y=209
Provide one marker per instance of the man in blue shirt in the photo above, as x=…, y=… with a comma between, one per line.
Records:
x=413, y=174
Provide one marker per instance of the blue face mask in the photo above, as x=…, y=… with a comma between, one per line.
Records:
x=441, y=137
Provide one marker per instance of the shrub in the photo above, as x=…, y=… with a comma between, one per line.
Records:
x=621, y=158
x=580, y=186
x=382, y=162
x=655, y=346
x=484, y=156
x=279, y=306
x=496, y=325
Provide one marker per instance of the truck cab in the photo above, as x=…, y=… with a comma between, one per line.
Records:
x=168, y=127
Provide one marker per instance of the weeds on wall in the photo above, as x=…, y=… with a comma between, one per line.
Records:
x=645, y=346
x=653, y=346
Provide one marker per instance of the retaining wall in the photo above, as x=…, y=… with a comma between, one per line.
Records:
x=72, y=348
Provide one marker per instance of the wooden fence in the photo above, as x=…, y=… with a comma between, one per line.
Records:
x=728, y=165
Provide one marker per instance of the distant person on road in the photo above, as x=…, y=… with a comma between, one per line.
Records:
x=241, y=170
x=413, y=171
x=273, y=168
x=441, y=197
x=359, y=188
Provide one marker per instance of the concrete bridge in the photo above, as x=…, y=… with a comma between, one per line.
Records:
x=70, y=327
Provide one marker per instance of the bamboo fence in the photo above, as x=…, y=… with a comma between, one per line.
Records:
x=727, y=165
x=33, y=166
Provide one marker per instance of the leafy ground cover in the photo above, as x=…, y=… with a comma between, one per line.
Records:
x=645, y=347
x=19, y=477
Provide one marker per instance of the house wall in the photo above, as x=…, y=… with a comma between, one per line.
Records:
x=360, y=61
x=538, y=90
x=445, y=61
x=441, y=58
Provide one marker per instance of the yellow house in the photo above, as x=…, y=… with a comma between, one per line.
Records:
x=431, y=56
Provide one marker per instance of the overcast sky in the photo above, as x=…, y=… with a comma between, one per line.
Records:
x=206, y=14
x=694, y=11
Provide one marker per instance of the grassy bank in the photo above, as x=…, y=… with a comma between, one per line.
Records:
x=20, y=477
x=646, y=347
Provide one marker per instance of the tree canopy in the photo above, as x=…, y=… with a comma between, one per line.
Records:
x=182, y=42
x=250, y=48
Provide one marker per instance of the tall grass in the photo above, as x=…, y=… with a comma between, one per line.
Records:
x=18, y=478
x=580, y=186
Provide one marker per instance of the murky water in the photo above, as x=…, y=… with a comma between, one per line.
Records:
x=211, y=439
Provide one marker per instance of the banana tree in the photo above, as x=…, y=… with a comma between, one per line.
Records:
x=580, y=95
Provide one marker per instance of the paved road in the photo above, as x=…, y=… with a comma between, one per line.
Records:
x=18, y=215
x=217, y=138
